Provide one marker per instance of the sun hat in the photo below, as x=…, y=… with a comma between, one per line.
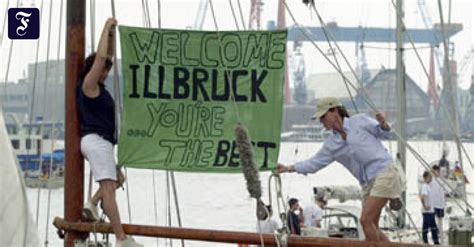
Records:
x=324, y=105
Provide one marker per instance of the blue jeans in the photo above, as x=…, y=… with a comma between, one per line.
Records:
x=429, y=222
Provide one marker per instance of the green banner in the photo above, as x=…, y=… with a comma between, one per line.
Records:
x=185, y=91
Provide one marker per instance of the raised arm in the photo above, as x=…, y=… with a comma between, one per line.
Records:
x=378, y=126
x=104, y=51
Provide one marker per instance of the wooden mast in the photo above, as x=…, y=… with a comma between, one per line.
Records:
x=74, y=167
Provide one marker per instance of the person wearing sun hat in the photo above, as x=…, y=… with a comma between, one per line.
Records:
x=355, y=143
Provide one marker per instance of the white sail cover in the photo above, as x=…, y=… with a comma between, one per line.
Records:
x=16, y=224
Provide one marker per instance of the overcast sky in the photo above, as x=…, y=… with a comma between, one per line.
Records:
x=181, y=14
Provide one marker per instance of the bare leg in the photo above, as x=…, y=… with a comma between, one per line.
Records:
x=98, y=194
x=370, y=218
x=96, y=197
x=107, y=188
x=382, y=236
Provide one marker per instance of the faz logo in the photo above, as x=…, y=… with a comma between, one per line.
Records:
x=23, y=23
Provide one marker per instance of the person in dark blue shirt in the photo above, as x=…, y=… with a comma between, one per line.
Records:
x=97, y=117
x=294, y=220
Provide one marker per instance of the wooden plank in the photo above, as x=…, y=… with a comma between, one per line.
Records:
x=218, y=235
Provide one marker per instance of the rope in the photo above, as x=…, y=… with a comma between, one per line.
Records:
x=447, y=78
x=391, y=221
x=282, y=235
x=146, y=14
x=365, y=97
x=168, y=203
x=159, y=13
x=232, y=89
x=410, y=218
x=176, y=202
x=280, y=201
x=241, y=14
x=118, y=111
x=53, y=136
x=443, y=106
x=9, y=54
x=233, y=14
x=155, y=204
x=129, y=207
x=32, y=111
x=222, y=51
x=333, y=52
x=4, y=22
x=92, y=22
x=259, y=229
x=304, y=31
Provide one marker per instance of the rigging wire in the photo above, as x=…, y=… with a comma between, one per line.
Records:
x=24, y=195
x=445, y=111
x=53, y=137
x=365, y=97
x=176, y=202
x=168, y=204
x=92, y=22
x=9, y=59
x=159, y=13
x=118, y=109
x=155, y=199
x=31, y=113
x=442, y=104
x=236, y=110
x=333, y=52
x=447, y=79
x=241, y=14
x=232, y=95
x=4, y=22
x=233, y=14
x=155, y=203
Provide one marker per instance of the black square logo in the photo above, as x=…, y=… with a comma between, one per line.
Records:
x=23, y=23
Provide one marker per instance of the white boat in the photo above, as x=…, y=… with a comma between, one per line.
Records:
x=40, y=155
x=305, y=133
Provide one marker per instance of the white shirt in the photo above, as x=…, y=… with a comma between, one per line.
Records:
x=312, y=213
x=362, y=153
x=267, y=226
x=426, y=191
x=438, y=192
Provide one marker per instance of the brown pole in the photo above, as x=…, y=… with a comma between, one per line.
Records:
x=74, y=167
x=219, y=236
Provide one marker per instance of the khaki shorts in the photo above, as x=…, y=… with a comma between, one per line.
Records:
x=390, y=183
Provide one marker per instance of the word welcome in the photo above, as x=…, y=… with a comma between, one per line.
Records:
x=168, y=47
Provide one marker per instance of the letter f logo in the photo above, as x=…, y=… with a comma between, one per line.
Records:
x=23, y=23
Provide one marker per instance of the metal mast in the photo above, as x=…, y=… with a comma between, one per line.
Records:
x=401, y=93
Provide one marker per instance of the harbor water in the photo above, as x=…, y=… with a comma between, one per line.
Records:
x=221, y=201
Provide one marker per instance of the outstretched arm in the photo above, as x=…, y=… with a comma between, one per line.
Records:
x=320, y=160
x=104, y=51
